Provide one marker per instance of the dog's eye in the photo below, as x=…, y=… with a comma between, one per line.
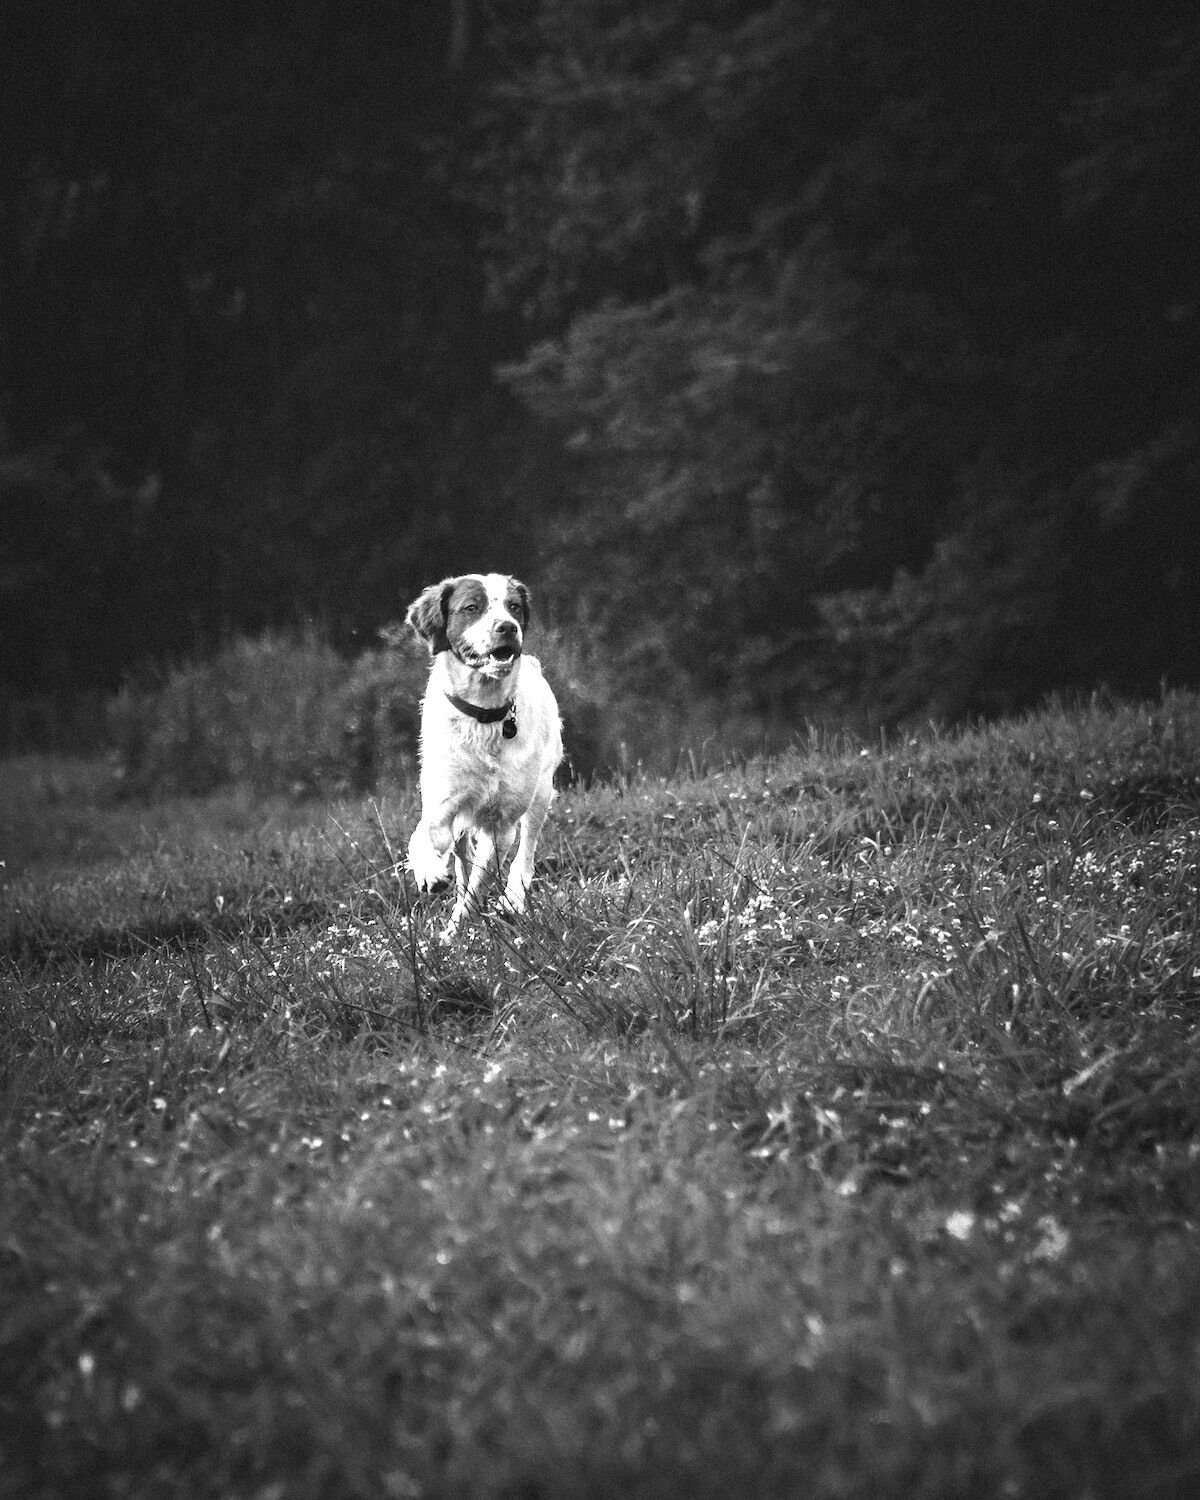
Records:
x=469, y=607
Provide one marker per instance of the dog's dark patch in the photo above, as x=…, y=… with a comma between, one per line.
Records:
x=428, y=615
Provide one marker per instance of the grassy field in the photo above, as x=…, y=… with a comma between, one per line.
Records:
x=831, y=1128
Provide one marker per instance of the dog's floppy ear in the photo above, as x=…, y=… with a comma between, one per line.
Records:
x=526, y=599
x=427, y=616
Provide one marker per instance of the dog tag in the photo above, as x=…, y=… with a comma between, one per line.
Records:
x=509, y=728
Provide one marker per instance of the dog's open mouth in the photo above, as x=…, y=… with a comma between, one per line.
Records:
x=498, y=661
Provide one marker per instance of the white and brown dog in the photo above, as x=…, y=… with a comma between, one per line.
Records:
x=490, y=742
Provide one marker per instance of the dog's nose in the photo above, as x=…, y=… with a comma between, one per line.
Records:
x=506, y=627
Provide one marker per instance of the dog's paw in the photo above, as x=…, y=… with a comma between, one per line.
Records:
x=428, y=868
x=515, y=895
x=431, y=877
x=453, y=928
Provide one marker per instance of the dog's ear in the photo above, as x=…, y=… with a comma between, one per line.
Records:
x=427, y=616
x=525, y=598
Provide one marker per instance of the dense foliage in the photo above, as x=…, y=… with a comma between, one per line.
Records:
x=856, y=343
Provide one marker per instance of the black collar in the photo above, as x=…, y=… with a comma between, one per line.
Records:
x=484, y=715
x=506, y=711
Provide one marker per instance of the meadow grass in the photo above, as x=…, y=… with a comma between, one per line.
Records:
x=830, y=1127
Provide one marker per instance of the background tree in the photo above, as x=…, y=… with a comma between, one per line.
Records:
x=857, y=342
x=246, y=366
x=880, y=345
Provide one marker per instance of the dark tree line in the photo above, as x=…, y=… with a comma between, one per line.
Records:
x=812, y=352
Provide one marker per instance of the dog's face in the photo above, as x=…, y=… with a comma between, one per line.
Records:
x=480, y=618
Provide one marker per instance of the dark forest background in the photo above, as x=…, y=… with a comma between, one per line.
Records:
x=816, y=353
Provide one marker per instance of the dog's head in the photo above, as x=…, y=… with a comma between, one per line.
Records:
x=480, y=618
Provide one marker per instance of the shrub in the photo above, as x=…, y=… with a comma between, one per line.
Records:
x=596, y=713
x=384, y=720
x=269, y=712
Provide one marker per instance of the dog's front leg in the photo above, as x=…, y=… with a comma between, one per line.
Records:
x=520, y=872
x=486, y=855
x=429, y=852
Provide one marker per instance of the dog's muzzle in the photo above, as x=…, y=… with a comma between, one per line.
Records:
x=499, y=659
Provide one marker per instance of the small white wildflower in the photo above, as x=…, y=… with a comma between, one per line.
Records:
x=1054, y=1240
x=960, y=1224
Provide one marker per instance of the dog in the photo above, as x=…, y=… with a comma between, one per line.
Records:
x=491, y=740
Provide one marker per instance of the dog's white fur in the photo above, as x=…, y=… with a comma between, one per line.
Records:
x=480, y=789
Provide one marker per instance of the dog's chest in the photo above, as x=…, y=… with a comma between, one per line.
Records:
x=494, y=775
